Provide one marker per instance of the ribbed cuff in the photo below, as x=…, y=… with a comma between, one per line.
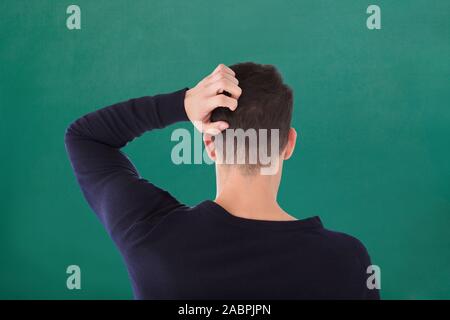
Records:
x=171, y=107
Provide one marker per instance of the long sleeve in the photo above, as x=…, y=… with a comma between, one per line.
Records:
x=109, y=181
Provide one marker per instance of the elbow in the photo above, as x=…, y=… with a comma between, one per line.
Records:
x=68, y=138
x=72, y=132
x=69, y=133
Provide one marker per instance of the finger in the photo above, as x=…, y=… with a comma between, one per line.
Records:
x=214, y=128
x=205, y=80
x=221, y=76
x=222, y=100
x=224, y=68
x=217, y=75
x=207, y=138
x=224, y=85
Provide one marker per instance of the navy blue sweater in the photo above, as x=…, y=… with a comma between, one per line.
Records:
x=173, y=251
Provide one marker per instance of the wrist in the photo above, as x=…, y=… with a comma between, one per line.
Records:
x=171, y=107
x=187, y=103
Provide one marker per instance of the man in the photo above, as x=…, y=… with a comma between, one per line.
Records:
x=242, y=245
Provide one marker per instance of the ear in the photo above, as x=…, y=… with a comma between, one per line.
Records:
x=290, y=146
x=209, y=146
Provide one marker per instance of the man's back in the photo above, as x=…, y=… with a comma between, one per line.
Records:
x=204, y=252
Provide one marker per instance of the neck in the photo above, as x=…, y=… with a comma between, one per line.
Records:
x=250, y=197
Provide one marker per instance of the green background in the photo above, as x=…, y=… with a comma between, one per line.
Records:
x=371, y=107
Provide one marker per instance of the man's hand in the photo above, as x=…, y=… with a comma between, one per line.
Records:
x=208, y=94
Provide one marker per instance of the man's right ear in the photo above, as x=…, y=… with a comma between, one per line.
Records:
x=208, y=140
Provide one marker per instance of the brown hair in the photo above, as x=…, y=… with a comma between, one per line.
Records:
x=266, y=102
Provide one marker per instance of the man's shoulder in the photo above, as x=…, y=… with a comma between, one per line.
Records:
x=343, y=242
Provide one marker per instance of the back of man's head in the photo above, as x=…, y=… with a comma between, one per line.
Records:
x=265, y=104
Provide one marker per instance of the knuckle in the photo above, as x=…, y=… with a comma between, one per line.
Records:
x=223, y=100
x=222, y=83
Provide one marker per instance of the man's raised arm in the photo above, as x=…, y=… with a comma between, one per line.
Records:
x=108, y=180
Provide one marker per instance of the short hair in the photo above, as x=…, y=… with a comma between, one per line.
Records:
x=266, y=102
